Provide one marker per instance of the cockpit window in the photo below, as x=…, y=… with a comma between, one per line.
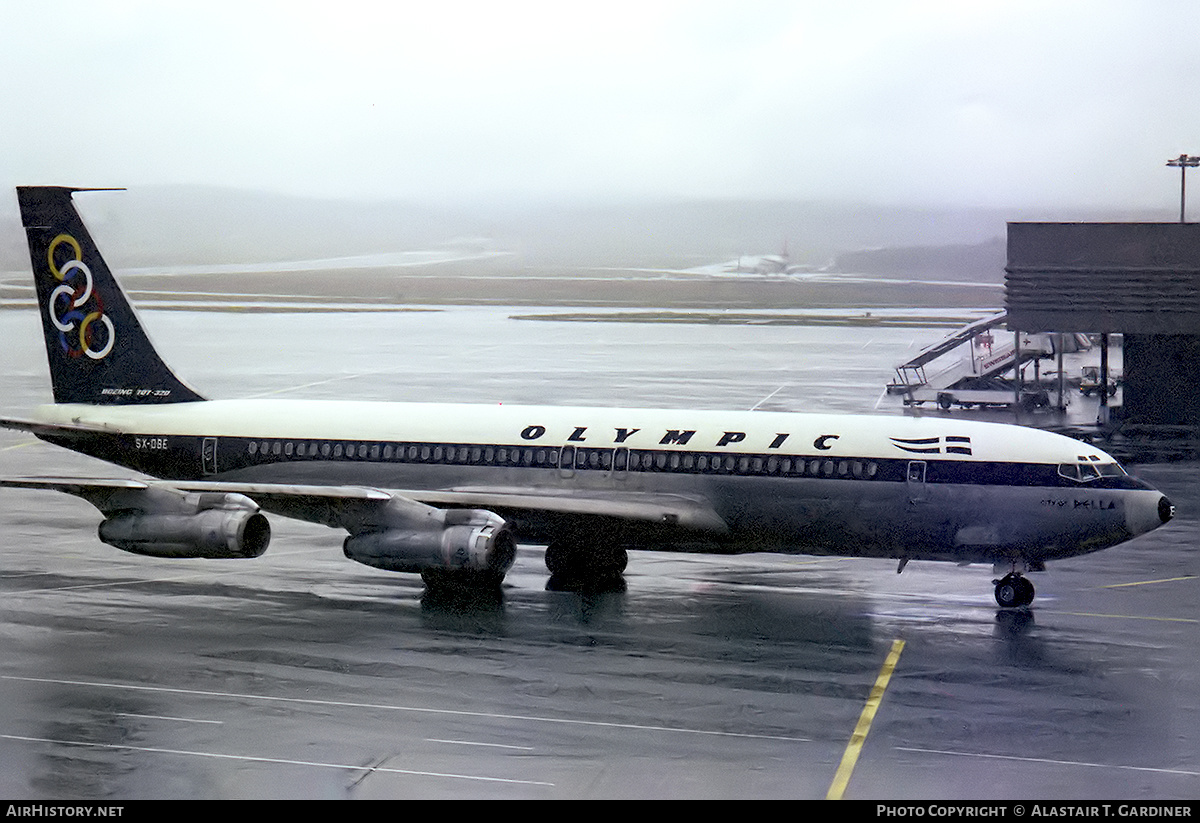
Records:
x=1089, y=468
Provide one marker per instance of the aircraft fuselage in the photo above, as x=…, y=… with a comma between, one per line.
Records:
x=866, y=486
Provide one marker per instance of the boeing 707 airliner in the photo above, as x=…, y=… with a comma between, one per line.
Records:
x=448, y=490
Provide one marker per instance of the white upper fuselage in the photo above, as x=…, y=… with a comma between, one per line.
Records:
x=735, y=432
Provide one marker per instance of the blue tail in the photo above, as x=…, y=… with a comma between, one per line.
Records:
x=97, y=348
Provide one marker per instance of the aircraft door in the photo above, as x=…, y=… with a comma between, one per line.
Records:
x=208, y=455
x=916, y=481
x=621, y=463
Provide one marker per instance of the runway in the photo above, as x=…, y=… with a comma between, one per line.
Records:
x=303, y=675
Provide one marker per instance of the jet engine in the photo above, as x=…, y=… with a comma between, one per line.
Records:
x=217, y=526
x=453, y=540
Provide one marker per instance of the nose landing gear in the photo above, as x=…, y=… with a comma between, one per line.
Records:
x=1013, y=590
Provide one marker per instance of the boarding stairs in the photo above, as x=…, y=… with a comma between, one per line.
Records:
x=973, y=378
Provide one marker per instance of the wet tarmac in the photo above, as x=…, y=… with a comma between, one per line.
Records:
x=303, y=675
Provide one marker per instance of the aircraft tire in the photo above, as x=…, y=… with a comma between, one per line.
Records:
x=445, y=579
x=1013, y=591
x=582, y=560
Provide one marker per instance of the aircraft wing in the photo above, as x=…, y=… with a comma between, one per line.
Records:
x=39, y=428
x=359, y=508
x=333, y=505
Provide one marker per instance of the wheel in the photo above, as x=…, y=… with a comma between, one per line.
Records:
x=1013, y=591
x=462, y=579
x=585, y=560
x=558, y=557
x=945, y=401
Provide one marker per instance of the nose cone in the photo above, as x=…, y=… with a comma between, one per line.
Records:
x=1166, y=509
x=1147, y=511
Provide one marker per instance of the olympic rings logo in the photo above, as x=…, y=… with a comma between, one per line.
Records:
x=68, y=303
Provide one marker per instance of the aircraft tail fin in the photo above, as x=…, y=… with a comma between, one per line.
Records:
x=98, y=351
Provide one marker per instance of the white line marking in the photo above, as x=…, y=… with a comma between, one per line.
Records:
x=1050, y=761
x=277, y=760
x=474, y=743
x=169, y=717
x=415, y=709
x=175, y=578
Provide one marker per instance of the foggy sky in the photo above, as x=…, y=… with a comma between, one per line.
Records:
x=1008, y=104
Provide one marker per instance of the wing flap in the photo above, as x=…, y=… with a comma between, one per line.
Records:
x=672, y=510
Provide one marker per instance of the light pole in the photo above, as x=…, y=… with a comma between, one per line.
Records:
x=1183, y=161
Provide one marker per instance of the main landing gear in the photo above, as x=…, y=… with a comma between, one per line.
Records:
x=1013, y=590
x=585, y=564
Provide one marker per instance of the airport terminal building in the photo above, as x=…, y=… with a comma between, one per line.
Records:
x=1140, y=280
